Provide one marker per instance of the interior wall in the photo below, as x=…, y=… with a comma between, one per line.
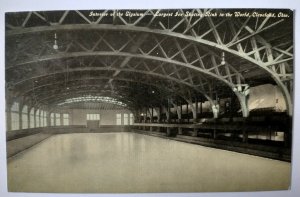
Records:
x=107, y=117
x=262, y=96
x=266, y=96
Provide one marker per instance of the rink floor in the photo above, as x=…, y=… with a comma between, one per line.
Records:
x=129, y=162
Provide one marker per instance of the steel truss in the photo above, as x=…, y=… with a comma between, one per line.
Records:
x=193, y=59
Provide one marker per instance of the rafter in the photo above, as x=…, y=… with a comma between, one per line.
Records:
x=127, y=55
x=245, y=45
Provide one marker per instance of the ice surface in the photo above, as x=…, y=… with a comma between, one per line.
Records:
x=129, y=162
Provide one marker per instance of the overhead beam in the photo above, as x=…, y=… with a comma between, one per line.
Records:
x=106, y=68
x=159, y=59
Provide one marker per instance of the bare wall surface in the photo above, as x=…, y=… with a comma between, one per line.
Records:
x=266, y=96
x=21, y=144
x=107, y=117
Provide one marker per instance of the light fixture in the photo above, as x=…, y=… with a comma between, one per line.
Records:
x=223, y=59
x=55, y=46
x=153, y=91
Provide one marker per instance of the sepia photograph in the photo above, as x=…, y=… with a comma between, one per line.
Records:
x=149, y=100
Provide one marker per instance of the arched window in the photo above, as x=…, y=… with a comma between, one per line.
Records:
x=15, y=116
x=125, y=119
x=25, y=117
x=45, y=119
x=131, y=119
x=31, y=118
x=57, y=119
x=37, y=118
x=52, y=119
x=118, y=119
x=66, y=119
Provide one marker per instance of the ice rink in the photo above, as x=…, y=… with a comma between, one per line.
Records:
x=129, y=162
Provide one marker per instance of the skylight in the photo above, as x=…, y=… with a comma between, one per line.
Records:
x=90, y=98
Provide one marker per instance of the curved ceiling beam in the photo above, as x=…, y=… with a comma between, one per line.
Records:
x=165, y=31
x=59, y=97
x=162, y=88
x=122, y=79
x=160, y=59
x=135, y=81
x=116, y=88
x=213, y=67
x=75, y=87
x=91, y=105
x=196, y=39
x=206, y=94
x=144, y=56
x=125, y=70
x=59, y=87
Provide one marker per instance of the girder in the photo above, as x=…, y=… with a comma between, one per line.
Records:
x=86, y=86
x=194, y=87
x=224, y=47
x=230, y=77
x=60, y=97
x=149, y=82
x=197, y=45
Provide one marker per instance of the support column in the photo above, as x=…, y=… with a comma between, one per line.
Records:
x=140, y=116
x=201, y=109
x=193, y=109
x=214, y=134
x=242, y=93
x=245, y=132
x=244, y=105
x=168, y=131
x=169, y=114
x=180, y=112
x=151, y=119
x=231, y=108
x=187, y=112
x=179, y=131
x=195, y=132
x=215, y=110
x=159, y=115
x=177, y=112
x=288, y=133
x=197, y=108
x=157, y=110
x=145, y=117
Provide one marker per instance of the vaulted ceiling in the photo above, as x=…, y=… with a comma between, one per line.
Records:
x=147, y=58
